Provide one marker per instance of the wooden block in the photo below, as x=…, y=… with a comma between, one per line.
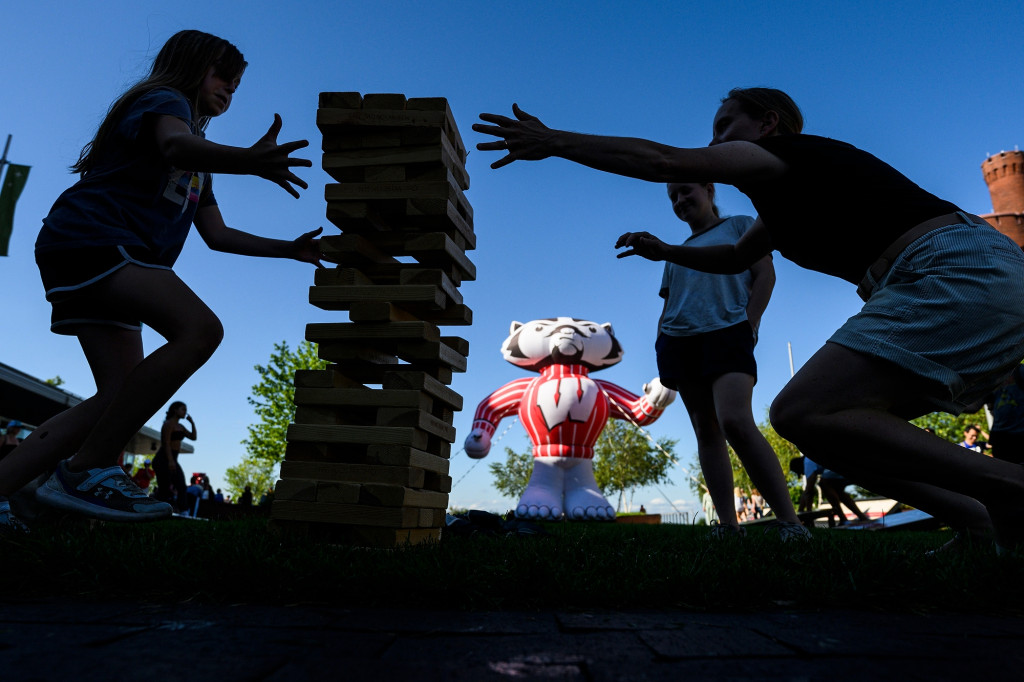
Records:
x=424, y=421
x=361, y=371
x=357, y=217
x=323, y=378
x=364, y=397
x=398, y=496
x=435, y=277
x=382, y=311
x=439, y=156
x=437, y=481
x=387, y=537
x=440, y=104
x=420, y=381
x=384, y=100
x=458, y=344
x=359, y=139
x=391, y=110
x=353, y=249
x=356, y=361
x=431, y=354
x=354, y=514
x=341, y=100
x=357, y=473
x=372, y=332
x=430, y=249
x=452, y=315
x=397, y=455
x=296, y=489
x=329, y=416
x=430, y=518
x=341, y=276
x=342, y=297
x=337, y=492
x=389, y=435
x=334, y=121
x=397, y=215
x=447, y=188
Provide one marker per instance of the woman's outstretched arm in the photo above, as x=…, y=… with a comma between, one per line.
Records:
x=526, y=138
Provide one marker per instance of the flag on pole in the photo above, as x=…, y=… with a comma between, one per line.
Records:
x=13, y=184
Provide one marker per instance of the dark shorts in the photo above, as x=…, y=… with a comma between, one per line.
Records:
x=705, y=357
x=73, y=281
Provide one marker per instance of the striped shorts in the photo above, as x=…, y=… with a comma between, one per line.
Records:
x=950, y=310
x=73, y=281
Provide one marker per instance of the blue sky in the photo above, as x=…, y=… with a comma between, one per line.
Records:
x=930, y=87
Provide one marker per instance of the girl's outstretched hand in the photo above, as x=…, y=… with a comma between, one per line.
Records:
x=307, y=248
x=524, y=137
x=643, y=244
x=273, y=162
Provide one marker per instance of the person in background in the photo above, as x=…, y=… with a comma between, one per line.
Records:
x=11, y=438
x=144, y=476
x=1007, y=408
x=170, y=477
x=971, y=441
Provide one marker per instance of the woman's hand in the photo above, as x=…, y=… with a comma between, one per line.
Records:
x=642, y=244
x=273, y=162
x=525, y=137
x=306, y=248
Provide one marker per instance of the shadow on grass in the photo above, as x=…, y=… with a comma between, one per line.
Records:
x=580, y=566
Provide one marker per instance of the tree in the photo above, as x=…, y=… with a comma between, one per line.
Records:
x=783, y=449
x=512, y=477
x=258, y=475
x=272, y=399
x=625, y=459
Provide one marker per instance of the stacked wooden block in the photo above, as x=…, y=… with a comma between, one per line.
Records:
x=367, y=459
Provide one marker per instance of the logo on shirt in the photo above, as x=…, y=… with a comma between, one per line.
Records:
x=183, y=188
x=569, y=399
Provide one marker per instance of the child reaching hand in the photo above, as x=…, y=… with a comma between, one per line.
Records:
x=106, y=251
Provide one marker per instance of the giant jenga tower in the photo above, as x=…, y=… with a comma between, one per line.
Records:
x=1004, y=175
x=367, y=459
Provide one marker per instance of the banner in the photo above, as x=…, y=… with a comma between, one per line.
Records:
x=14, y=182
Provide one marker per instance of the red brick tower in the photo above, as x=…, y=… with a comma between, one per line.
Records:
x=1004, y=175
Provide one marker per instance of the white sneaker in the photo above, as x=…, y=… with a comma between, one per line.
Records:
x=106, y=494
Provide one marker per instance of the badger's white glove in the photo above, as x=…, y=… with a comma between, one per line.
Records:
x=478, y=444
x=657, y=395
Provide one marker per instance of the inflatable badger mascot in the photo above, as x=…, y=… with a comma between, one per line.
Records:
x=564, y=411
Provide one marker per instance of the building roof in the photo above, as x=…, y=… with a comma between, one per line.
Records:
x=33, y=401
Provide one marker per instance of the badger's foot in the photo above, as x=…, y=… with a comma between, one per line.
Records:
x=588, y=504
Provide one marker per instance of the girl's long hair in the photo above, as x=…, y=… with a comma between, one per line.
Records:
x=181, y=64
x=173, y=408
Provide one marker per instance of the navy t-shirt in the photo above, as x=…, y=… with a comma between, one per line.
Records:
x=132, y=197
x=836, y=208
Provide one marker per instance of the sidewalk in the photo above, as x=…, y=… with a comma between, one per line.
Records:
x=123, y=641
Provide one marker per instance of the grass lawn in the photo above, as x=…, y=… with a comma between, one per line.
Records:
x=580, y=566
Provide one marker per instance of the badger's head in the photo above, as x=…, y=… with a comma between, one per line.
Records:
x=561, y=341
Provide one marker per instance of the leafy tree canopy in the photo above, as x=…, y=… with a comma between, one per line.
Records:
x=272, y=400
x=273, y=397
